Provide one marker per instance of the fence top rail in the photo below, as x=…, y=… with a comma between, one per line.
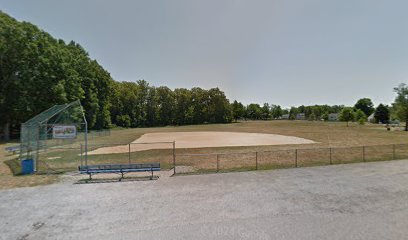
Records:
x=150, y=142
x=121, y=144
x=231, y=153
x=199, y=154
x=295, y=149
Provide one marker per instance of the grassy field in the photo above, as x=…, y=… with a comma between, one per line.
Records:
x=8, y=180
x=335, y=143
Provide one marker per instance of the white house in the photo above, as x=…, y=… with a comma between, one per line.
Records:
x=371, y=118
x=300, y=116
x=333, y=117
x=285, y=116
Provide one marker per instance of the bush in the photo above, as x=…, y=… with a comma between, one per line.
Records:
x=123, y=120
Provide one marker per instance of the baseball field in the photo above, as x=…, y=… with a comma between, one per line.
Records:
x=246, y=145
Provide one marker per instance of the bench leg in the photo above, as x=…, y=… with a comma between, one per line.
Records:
x=121, y=176
x=90, y=176
x=151, y=177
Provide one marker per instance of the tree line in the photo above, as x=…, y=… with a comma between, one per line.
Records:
x=38, y=71
x=359, y=112
x=140, y=105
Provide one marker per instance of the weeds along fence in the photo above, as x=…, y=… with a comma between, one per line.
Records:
x=145, y=152
x=289, y=158
x=59, y=155
x=69, y=157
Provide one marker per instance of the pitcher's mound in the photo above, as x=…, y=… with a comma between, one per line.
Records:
x=203, y=140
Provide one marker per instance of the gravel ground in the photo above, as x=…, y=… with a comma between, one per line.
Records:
x=354, y=201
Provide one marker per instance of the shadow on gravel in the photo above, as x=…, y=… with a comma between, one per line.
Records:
x=110, y=180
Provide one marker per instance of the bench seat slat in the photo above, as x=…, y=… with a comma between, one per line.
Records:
x=116, y=171
x=108, y=168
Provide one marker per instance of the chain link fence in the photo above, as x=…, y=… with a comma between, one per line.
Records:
x=69, y=157
x=289, y=158
x=146, y=152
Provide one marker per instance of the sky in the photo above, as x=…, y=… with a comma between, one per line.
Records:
x=286, y=52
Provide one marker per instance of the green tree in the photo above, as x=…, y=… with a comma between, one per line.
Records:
x=219, y=109
x=238, y=110
x=325, y=116
x=276, y=111
x=400, y=104
x=360, y=116
x=365, y=105
x=382, y=114
x=293, y=112
x=312, y=117
x=253, y=111
x=166, y=103
x=347, y=115
x=200, y=105
x=183, y=107
x=265, y=111
x=123, y=120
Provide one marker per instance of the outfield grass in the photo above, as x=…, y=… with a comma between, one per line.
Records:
x=345, y=142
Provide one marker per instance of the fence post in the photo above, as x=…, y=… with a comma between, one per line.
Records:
x=218, y=163
x=364, y=154
x=256, y=160
x=296, y=158
x=174, y=157
x=129, y=153
x=393, y=152
x=81, y=155
x=331, y=162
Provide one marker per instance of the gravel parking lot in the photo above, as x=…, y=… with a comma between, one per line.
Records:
x=354, y=201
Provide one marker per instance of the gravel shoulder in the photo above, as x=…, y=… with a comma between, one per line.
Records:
x=353, y=201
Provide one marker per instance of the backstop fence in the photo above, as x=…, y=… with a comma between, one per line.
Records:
x=288, y=158
x=61, y=125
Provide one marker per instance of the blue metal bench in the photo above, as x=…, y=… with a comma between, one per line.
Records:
x=119, y=168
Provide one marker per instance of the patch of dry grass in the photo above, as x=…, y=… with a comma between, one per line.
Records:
x=8, y=180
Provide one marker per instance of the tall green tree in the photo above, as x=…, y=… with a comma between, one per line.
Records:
x=219, y=107
x=183, y=107
x=400, y=104
x=254, y=111
x=382, y=114
x=365, y=105
x=265, y=111
x=360, y=116
x=276, y=111
x=347, y=115
x=238, y=110
x=166, y=105
x=293, y=112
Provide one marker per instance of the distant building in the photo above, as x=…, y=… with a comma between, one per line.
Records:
x=333, y=117
x=395, y=122
x=300, y=116
x=371, y=118
x=285, y=116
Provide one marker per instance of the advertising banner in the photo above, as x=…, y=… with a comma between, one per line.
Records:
x=64, y=132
